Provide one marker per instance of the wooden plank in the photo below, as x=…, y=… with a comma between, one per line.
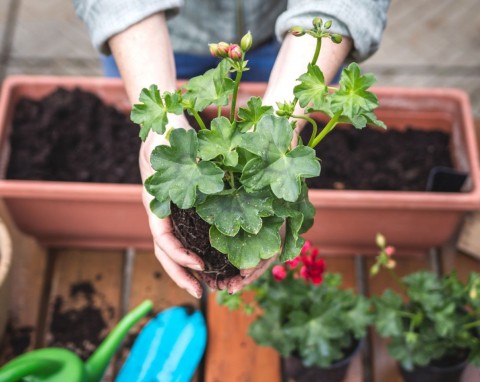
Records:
x=84, y=300
x=231, y=354
x=27, y=279
x=384, y=366
x=149, y=281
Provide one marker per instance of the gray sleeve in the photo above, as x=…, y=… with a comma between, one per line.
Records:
x=105, y=18
x=362, y=20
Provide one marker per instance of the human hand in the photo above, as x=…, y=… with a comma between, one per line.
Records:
x=177, y=261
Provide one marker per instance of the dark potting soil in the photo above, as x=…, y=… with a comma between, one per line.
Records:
x=71, y=135
x=83, y=328
x=193, y=233
x=371, y=159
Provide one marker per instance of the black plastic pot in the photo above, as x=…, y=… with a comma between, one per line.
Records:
x=436, y=373
x=294, y=370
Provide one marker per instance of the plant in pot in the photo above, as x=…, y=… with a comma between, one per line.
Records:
x=239, y=179
x=433, y=333
x=306, y=316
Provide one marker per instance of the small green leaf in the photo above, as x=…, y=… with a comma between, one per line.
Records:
x=221, y=140
x=250, y=116
x=277, y=167
x=353, y=99
x=312, y=88
x=160, y=208
x=245, y=250
x=151, y=114
x=179, y=175
x=230, y=211
x=213, y=87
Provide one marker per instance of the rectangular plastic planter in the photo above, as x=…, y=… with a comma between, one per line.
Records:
x=347, y=221
x=112, y=215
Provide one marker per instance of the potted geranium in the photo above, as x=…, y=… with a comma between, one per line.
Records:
x=239, y=179
x=433, y=325
x=306, y=316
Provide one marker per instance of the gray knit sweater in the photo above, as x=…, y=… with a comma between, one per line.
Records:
x=194, y=24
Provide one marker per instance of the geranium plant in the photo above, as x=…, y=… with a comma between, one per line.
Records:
x=240, y=172
x=433, y=321
x=303, y=312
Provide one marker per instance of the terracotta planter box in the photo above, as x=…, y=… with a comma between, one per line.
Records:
x=347, y=221
x=112, y=215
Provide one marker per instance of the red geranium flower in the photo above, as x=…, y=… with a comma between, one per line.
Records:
x=313, y=267
x=279, y=272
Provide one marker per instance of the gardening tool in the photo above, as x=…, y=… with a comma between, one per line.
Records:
x=61, y=365
x=168, y=349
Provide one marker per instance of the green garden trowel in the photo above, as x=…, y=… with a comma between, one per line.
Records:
x=61, y=365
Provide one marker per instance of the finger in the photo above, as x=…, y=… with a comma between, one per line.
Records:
x=238, y=282
x=209, y=280
x=178, y=274
x=171, y=246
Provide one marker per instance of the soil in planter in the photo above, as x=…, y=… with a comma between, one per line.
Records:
x=370, y=159
x=71, y=135
x=193, y=233
x=83, y=327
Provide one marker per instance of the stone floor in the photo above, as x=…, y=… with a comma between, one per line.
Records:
x=427, y=43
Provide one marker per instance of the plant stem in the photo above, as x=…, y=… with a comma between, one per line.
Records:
x=198, y=119
x=231, y=180
x=329, y=127
x=471, y=324
x=317, y=50
x=314, y=126
x=397, y=279
x=235, y=89
x=219, y=112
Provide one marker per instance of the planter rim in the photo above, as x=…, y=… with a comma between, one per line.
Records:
x=23, y=189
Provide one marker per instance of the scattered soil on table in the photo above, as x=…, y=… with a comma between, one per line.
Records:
x=372, y=159
x=71, y=135
x=193, y=233
x=83, y=328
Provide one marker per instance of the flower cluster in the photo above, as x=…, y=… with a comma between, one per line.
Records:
x=311, y=266
x=232, y=51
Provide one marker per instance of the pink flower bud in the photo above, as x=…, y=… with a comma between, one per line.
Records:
x=390, y=250
x=213, y=49
x=235, y=52
x=279, y=272
x=297, y=31
x=223, y=49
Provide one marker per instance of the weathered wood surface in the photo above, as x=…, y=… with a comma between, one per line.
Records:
x=29, y=263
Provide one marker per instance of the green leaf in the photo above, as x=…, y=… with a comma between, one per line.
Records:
x=213, y=87
x=179, y=175
x=245, y=250
x=250, y=116
x=299, y=218
x=312, y=88
x=160, y=208
x=275, y=166
x=230, y=211
x=151, y=113
x=221, y=140
x=353, y=100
